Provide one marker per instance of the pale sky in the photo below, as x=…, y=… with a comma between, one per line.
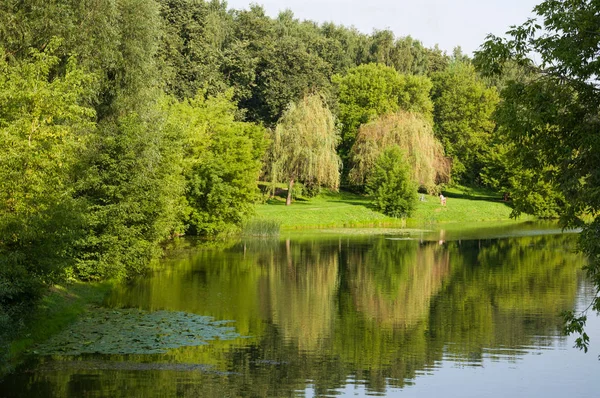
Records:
x=448, y=23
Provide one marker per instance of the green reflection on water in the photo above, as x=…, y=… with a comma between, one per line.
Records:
x=326, y=309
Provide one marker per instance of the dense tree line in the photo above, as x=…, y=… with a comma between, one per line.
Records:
x=126, y=123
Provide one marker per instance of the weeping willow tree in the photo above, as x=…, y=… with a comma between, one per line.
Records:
x=414, y=135
x=304, y=145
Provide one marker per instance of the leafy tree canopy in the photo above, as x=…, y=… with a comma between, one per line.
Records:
x=372, y=90
x=45, y=122
x=304, y=145
x=222, y=158
x=414, y=135
x=553, y=118
x=197, y=34
x=463, y=110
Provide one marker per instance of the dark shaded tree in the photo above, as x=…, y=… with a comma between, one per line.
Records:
x=195, y=46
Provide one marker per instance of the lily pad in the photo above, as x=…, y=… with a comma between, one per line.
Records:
x=133, y=331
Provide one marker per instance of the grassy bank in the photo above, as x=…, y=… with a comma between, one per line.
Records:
x=62, y=305
x=343, y=209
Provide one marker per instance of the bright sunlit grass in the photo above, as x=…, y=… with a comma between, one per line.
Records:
x=344, y=209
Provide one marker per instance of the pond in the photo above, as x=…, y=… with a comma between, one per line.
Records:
x=469, y=312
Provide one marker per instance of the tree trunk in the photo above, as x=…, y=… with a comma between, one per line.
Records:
x=288, y=201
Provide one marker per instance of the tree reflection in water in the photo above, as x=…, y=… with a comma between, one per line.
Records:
x=320, y=312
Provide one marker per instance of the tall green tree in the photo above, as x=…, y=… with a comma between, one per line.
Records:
x=372, y=90
x=130, y=181
x=304, y=146
x=409, y=56
x=343, y=48
x=133, y=185
x=45, y=122
x=437, y=60
x=222, y=161
x=194, y=46
x=116, y=40
x=555, y=116
x=463, y=109
x=522, y=176
x=286, y=66
x=405, y=54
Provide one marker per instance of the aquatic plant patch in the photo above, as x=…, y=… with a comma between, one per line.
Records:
x=133, y=331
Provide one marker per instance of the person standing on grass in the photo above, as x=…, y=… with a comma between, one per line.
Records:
x=442, y=200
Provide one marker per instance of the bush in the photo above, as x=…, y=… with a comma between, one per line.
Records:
x=393, y=191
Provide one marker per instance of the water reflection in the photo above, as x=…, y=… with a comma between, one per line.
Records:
x=378, y=311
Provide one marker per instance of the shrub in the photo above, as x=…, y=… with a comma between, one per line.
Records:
x=394, y=192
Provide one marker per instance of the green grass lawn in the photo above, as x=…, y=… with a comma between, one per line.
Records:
x=326, y=210
x=345, y=209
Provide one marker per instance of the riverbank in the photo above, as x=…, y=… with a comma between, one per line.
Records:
x=348, y=210
x=61, y=306
x=65, y=303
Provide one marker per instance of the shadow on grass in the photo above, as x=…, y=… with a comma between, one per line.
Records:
x=279, y=202
x=364, y=203
x=469, y=196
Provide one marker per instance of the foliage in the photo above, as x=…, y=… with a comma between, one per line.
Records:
x=528, y=188
x=44, y=122
x=133, y=185
x=131, y=174
x=196, y=35
x=281, y=58
x=463, y=109
x=372, y=90
x=438, y=61
x=405, y=54
x=304, y=145
x=89, y=31
x=555, y=114
x=127, y=181
x=523, y=174
x=115, y=40
x=342, y=47
x=414, y=135
x=391, y=185
x=222, y=160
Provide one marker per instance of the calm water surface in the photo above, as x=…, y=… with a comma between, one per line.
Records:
x=472, y=313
